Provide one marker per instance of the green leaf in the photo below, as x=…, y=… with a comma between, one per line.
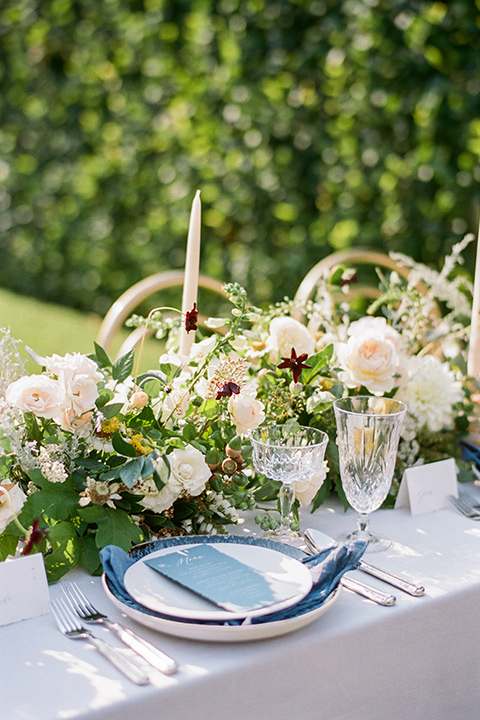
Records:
x=66, y=550
x=209, y=408
x=123, y=366
x=8, y=545
x=57, y=502
x=115, y=527
x=111, y=410
x=322, y=493
x=132, y=471
x=104, y=397
x=121, y=446
x=102, y=356
x=161, y=472
x=90, y=558
x=35, y=356
x=189, y=433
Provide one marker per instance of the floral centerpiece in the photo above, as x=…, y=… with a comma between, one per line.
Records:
x=95, y=452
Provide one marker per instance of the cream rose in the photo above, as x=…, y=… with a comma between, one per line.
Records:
x=246, y=411
x=12, y=499
x=188, y=467
x=163, y=499
x=287, y=333
x=370, y=359
x=305, y=490
x=73, y=364
x=79, y=376
x=39, y=394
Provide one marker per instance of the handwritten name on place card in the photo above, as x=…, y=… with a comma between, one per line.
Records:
x=427, y=487
x=23, y=589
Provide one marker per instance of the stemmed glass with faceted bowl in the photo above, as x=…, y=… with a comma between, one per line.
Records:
x=288, y=453
x=368, y=431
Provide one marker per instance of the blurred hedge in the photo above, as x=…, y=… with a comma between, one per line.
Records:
x=308, y=125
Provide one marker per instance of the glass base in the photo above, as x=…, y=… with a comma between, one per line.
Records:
x=284, y=535
x=376, y=542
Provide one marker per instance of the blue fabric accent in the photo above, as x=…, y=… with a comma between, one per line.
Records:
x=327, y=568
x=470, y=452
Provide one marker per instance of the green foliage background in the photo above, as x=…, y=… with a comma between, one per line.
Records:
x=308, y=125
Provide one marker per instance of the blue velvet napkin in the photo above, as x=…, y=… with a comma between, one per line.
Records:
x=470, y=452
x=327, y=568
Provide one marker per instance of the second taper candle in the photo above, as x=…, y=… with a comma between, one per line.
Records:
x=192, y=269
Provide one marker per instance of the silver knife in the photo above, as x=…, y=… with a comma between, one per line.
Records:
x=319, y=541
x=367, y=591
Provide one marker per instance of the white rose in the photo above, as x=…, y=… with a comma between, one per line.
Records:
x=163, y=499
x=305, y=490
x=246, y=411
x=188, y=467
x=71, y=365
x=287, y=333
x=39, y=394
x=79, y=376
x=370, y=360
x=12, y=498
x=81, y=392
x=377, y=325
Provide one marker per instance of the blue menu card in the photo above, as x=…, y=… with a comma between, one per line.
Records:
x=224, y=580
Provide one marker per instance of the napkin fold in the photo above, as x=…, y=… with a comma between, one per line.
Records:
x=327, y=568
x=470, y=452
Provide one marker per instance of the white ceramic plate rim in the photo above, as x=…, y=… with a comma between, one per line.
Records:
x=156, y=592
x=223, y=633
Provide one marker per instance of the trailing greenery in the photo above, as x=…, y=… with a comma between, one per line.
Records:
x=308, y=125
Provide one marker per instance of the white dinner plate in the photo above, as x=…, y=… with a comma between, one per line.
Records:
x=289, y=579
x=221, y=633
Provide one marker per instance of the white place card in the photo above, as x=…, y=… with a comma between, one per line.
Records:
x=23, y=589
x=425, y=488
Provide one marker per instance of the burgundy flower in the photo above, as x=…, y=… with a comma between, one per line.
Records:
x=295, y=364
x=36, y=536
x=228, y=390
x=191, y=318
x=349, y=277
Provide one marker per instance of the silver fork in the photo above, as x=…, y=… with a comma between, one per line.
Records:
x=70, y=626
x=465, y=508
x=87, y=612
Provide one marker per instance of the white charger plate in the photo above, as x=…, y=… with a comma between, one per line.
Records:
x=222, y=633
x=290, y=579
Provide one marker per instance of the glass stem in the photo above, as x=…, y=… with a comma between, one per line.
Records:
x=363, y=521
x=286, y=497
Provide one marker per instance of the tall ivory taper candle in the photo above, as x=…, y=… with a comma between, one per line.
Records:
x=192, y=268
x=474, y=344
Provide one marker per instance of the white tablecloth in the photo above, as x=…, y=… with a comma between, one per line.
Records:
x=417, y=660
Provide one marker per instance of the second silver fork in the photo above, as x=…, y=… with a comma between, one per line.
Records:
x=70, y=626
x=465, y=508
x=87, y=612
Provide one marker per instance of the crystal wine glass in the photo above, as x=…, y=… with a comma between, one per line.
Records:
x=368, y=431
x=288, y=453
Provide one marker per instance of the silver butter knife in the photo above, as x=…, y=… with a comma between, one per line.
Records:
x=319, y=541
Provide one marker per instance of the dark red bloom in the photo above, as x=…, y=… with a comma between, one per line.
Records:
x=349, y=277
x=228, y=390
x=295, y=364
x=191, y=318
x=36, y=535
